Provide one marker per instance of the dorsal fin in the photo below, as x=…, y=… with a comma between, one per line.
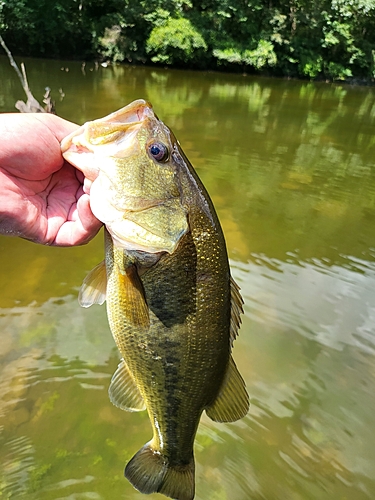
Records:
x=94, y=287
x=232, y=402
x=123, y=391
x=236, y=310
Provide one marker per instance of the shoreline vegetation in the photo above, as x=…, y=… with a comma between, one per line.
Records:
x=320, y=39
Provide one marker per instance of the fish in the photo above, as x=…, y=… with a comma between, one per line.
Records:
x=173, y=308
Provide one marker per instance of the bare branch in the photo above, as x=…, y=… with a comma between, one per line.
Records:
x=31, y=105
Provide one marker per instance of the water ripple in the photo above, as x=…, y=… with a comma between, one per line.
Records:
x=334, y=305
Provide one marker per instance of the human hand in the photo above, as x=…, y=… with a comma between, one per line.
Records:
x=42, y=197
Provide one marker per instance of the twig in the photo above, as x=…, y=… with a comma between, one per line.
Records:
x=31, y=105
x=49, y=103
x=12, y=61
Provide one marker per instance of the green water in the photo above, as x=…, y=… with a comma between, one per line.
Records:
x=290, y=167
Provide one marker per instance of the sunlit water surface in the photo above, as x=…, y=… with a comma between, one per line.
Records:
x=290, y=167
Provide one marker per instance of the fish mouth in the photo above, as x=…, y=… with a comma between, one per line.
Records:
x=135, y=112
x=97, y=132
x=105, y=132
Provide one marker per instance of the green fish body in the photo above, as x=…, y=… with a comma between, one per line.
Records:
x=173, y=308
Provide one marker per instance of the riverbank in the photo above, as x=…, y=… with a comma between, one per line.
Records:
x=325, y=40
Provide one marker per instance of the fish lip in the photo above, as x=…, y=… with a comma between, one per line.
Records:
x=140, y=108
x=134, y=113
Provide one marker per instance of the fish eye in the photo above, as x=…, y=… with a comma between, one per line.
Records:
x=159, y=151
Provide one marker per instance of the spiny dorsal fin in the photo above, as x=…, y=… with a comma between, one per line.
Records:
x=236, y=310
x=94, y=287
x=135, y=308
x=232, y=402
x=123, y=391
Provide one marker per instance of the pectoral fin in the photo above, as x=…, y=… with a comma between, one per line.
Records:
x=232, y=402
x=135, y=306
x=123, y=391
x=94, y=287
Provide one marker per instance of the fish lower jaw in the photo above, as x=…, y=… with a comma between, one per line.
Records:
x=125, y=244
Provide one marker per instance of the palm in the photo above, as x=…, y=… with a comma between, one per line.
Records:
x=43, y=197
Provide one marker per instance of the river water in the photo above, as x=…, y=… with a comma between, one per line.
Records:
x=290, y=167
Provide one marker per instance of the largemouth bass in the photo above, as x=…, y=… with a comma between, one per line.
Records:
x=173, y=308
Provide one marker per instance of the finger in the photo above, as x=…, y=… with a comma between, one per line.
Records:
x=82, y=162
x=87, y=185
x=88, y=220
x=30, y=144
x=59, y=127
x=80, y=230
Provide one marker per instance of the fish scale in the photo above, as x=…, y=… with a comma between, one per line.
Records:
x=173, y=308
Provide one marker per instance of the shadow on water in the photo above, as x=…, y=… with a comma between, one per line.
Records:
x=290, y=168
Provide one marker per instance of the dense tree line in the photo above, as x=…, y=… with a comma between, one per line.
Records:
x=332, y=39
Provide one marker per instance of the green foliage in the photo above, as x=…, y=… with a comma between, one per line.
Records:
x=174, y=42
x=2, y=26
x=110, y=45
x=311, y=65
x=331, y=39
x=59, y=28
x=263, y=55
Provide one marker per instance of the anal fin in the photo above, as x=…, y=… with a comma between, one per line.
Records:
x=123, y=391
x=232, y=402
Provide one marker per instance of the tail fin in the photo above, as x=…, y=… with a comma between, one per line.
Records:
x=148, y=471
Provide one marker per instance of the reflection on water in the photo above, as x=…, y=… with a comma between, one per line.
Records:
x=290, y=168
x=336, y=307
x=312, y=392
